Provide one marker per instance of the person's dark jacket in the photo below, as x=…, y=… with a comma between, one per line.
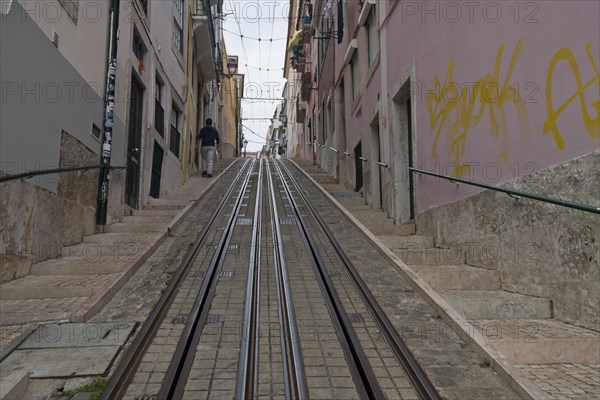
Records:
x=209, y=136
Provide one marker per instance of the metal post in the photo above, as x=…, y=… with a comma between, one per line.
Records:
x=109, y=104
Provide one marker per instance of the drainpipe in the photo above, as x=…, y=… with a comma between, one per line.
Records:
x=109, y=106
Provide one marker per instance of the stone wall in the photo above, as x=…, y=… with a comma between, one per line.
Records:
x=77, y=190
x=29, y=216
x=36, y=223
x=540, y=249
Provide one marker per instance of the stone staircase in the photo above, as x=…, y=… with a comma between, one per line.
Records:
x=519, y=327
x=57, y=289
x=77, y=284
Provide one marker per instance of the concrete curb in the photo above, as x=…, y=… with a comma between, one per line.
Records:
x=104, y=295
x=14, y=385
x=512, y=375
x=15, y=342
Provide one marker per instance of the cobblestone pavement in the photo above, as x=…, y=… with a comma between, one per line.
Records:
x=215, y=366
x=454, y=369
x=327, y=374
x=566, y=381
x=155, y=362
x=387, y=368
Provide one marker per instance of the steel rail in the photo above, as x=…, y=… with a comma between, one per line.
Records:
x=173, y=385
x=123, y=374
x=360, y=368
x=296, y=386
x=247, y=381
x=414, y=371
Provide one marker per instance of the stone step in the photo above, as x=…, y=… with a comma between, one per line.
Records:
x=77, y=266
x=166, y=204
x=497, y=304
x=404, y=229
x=125, y=227
x=14, y=385
x=119, y=238
x=348, y=201
x=154, y=213
x=354, y=208
x=428, y=256
x=143, y=219
x=407, y=242
x=53, y=286
x=335, y=189
x=38, y=310
x=459, y=277
x=538, y=341
x=105, y=252
x=346, y=194
x=373, y=217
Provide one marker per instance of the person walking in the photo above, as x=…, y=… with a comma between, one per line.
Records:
x=209, y=142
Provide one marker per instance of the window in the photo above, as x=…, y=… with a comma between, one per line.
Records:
x=329, y=119
x=373, y=36
x=355, y=78
x=96, y=131
x=144, y=4
x=72, y=8
x=159, y=112
x=323, y=42
x=138, y=47
x=323, y=116
x=178, y=25
x=175, y=137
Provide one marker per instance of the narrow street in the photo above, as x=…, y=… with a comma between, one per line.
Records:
x=299, y=199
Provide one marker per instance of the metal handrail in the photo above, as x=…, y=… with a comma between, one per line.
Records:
x=510, y=192
x=31, y=174
x=336, y=150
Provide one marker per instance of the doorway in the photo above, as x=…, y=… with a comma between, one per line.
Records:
x=358, y=166
x=157, y=160
x=376, y=186
x=134, y=144
x=402, y=141
x=341, y=134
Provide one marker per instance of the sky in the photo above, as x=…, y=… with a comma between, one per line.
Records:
x=261, y=61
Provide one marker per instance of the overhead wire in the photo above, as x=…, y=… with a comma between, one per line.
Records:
x=260, y=39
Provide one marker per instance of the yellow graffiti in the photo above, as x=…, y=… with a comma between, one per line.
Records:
x=592, y=125
x=449, y=100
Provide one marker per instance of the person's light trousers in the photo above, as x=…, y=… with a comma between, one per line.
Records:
x=208, y=158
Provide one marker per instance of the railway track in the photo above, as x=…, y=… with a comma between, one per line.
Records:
x=275, y=335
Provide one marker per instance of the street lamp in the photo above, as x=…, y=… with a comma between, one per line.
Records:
x=231, y=69
x=245, y=145
x=232, y=65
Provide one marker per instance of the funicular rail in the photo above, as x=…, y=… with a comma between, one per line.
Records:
x=413, y=370
x=124, y=372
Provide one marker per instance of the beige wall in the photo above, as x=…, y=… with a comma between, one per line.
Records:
x=228, y=128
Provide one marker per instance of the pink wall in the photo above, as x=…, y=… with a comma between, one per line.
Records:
x=502, y=136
